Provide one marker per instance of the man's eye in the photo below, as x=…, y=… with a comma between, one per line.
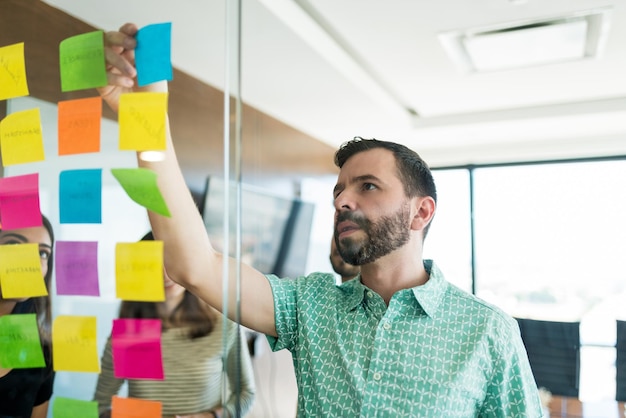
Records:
x=368, y=186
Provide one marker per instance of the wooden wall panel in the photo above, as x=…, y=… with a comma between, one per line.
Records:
x=270, y=147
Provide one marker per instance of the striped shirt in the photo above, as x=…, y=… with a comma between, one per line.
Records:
x=435, y=351
x=193, y=374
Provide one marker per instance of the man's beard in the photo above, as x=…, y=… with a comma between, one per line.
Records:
x=382, y=237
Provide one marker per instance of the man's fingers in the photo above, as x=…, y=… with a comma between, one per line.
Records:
x=129, y=29
x=120, y=63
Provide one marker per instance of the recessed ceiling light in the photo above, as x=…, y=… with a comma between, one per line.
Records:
x=528, y=43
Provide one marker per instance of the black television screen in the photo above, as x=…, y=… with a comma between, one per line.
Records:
x=275, y=230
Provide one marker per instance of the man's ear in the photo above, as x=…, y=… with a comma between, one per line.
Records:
x=424, y=211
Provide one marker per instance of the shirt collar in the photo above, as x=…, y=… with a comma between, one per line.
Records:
x=429, y=295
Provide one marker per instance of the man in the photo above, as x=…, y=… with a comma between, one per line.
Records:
x=344, y=270
x=401, y=341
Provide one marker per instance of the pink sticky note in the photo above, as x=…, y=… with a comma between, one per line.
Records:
x=76, y=268
x=136, y=347
x=19, y=202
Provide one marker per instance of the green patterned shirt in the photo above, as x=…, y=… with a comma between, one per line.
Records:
x=434, y=352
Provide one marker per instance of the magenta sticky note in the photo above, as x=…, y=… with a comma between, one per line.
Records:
x=136, y=347
x=19, y=202
x=76, y=268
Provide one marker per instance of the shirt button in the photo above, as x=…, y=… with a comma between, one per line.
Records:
x=377, y=376
x=387, y=325
x=370, y=294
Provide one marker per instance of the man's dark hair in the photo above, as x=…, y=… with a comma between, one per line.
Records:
x=413, y=171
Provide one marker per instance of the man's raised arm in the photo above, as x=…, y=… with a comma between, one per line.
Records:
x=189, y=257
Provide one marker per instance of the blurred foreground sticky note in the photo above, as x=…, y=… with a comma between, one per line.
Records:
x=153, y=52
x=79, y=125
x=76, y=268
x=74, y=408
x=142, y=121
x=21, y=140
x=140, y=185
x=13, y=81
x=20, y=346
x=139, y=271
x=82, y=62
x=20, y=271
x=134, y=408
x=74, y=342
x=19, y=202
x=136, y=345
x=80, y=196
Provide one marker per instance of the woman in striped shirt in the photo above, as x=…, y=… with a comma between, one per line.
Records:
x=193, y=342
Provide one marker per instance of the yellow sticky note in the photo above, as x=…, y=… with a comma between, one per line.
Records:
x=142, y=121
x=20, y=271
x=74, y=343
x=21, y=140
x=13, y=81
x=139, y=271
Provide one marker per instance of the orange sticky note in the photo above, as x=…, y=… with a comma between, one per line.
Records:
x=134, y=408
x=74, y=342
x=139, y=271
x=20, y=271
x=79, y=125
x=13, y=81
x=21, y=140
x=142, y=121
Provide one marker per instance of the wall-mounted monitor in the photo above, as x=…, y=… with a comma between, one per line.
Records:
x=275, y=230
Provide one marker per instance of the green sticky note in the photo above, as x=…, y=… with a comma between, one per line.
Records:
x=140, y=184
x=20, y=347
x=74, y=408
x=82, y=62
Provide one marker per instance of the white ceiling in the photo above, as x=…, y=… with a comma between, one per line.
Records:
x=340, y=68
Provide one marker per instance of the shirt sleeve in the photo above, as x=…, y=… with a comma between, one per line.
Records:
x=511, y=390
x=107, y=385
x=240, y=376
x=285, y=297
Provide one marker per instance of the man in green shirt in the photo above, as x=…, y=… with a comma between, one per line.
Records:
x=344, y=270
x=400, y=340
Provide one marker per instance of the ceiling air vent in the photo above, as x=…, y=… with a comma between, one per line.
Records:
x=528, y=43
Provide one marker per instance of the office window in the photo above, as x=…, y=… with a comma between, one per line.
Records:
x=549, y=244
x=448, y=241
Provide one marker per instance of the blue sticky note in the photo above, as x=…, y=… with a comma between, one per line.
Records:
x=153, y=53
x=80, y=196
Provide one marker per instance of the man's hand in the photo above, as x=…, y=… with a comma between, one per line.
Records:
x=119, y=51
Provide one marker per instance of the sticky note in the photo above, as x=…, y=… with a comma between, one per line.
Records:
x=139, y=271
x=134, y=408
x=82, y=62
x=74, y=408
x=136, y=345
x=19, y=201
x=153, y=53
x=74, y=343
x=13, y=82
x=140, y=184
x=80, y=196
x=20, y=346
x=20, y=271
x=142, y=121
x=21, y=140
x=79, y=126
x=76, y=268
